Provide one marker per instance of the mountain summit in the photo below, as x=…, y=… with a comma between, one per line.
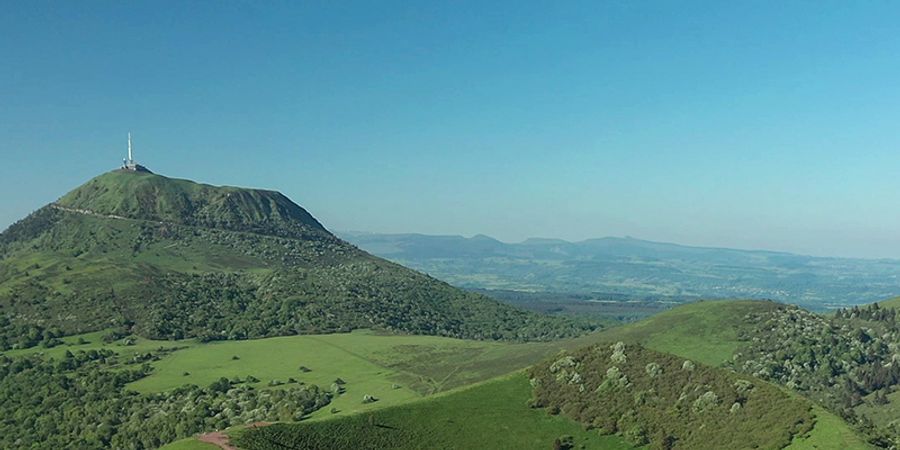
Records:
x=141, y=253
x=146, y=196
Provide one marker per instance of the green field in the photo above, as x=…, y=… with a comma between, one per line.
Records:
x=491, y=415
x=393, y=368
x=190, y=444
x=704, y=331
x=830, y=432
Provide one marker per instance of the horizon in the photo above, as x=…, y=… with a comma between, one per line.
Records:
x=340, y=233
x=710, y=125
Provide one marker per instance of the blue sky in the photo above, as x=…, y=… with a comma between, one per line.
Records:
x=761, y=125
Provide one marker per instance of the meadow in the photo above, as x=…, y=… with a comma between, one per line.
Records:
x=393, y=368
x=492, y=415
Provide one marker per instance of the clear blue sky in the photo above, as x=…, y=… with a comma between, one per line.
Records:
x=759, y=125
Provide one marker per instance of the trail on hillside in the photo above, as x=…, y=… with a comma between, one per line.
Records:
x=221, y=440
x=217, y=438
x=87, y=212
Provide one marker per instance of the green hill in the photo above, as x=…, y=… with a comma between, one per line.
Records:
x=743, y=335
x=172, y=259
x=771, y=417
x=146, y=196
x=492, y=415
x=660, y=399
x=706, y=331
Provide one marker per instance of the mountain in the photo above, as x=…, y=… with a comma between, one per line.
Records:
x=137, y=252
x=615, y=267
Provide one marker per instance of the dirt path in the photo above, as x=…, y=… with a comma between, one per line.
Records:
x=220, y=439
x=217, y=438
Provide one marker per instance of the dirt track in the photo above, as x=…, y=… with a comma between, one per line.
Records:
x=217, y=438
x=220, y=439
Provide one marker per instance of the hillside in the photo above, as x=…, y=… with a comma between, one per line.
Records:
x=171, y=259
x=844, y=363
x=92, y=380
x=615, y=268
x=665, y=401
x=703, y=332
x=493, y=415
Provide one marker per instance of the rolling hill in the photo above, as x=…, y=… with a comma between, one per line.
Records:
x=708, y=334
x=169, y=259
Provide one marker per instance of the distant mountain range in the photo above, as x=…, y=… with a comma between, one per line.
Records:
x=633, y=268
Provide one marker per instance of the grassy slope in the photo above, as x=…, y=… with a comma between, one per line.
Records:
x=190, y=444
x=704, y=331
x=707, y=332
x=890, y=303
x=154, y=197
x=370, y=363
x=424, y=364
x=830, y=432
x=490, y=415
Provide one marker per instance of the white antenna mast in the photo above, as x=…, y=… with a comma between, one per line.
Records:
x=130, y=158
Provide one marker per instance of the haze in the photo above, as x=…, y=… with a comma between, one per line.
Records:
x=750, y=126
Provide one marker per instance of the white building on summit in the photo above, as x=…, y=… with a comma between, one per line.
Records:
x=129, y=164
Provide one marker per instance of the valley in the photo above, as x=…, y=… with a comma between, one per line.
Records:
x=634, y=272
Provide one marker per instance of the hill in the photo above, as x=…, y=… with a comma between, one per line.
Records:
x=171, y=259
x=93, y=379
x=844, y=362
x=613, y=268
x=665, y=401
x=490, y=415
x=700, y=332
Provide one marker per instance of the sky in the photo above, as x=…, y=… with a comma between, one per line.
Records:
x=759, y=125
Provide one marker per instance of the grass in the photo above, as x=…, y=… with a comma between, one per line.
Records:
x=704, y=331
x=890, y=303
x=881, y=415
x=373, y=363
x=94, y=342
x=489, y=415
x=830, y=432
x=393, y=368
x=190, y=444
x=281, y=359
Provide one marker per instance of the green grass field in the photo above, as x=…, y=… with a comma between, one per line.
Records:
x=393, y=368
x=882, y=415
x=190, y=444
x=491, y=415
x=704, y=331
x=830, y=432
